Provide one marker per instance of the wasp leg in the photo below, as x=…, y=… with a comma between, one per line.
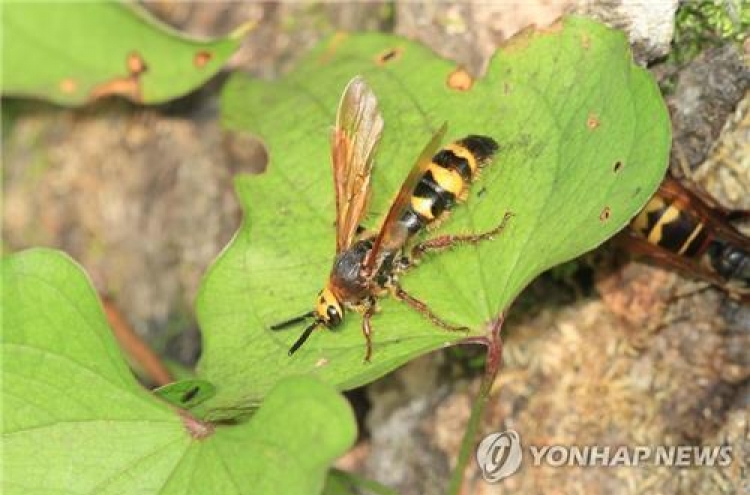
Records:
x=663, y=258
x=419, y=306
x=447, y=241
x=367, y=329
x=686, y=266
x=738, y=215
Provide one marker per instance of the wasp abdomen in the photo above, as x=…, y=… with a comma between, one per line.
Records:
x=670, y=227
x=446, y=180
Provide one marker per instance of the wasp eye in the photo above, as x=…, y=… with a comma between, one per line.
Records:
x=334, y=317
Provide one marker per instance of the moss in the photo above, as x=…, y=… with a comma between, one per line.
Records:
x=701, y=25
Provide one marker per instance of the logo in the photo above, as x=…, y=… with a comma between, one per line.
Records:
x=499, y=455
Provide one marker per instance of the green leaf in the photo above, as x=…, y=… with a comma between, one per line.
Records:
x=186, y=393
x=71, y=53
x=584, y=138
x=341, y=482
x=76, y=421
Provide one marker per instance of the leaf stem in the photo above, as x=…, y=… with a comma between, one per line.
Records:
x=493, y=362
x=134, y=346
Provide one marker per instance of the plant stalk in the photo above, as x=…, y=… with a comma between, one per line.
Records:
x=493, y=362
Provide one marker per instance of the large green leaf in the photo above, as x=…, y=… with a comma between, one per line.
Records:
x=70, y=53
x=76, y=421
x=584, y=138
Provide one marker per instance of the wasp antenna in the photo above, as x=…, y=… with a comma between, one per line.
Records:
x=296, y=319
x=302, y=338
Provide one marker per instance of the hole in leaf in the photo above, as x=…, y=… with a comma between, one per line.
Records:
x=389, y=56
x=190, y=394
x=605, y=214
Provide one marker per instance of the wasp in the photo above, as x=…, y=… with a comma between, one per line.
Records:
x=367, y=264
x=687, y=230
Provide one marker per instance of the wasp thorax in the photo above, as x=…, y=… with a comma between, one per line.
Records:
x=329, y=309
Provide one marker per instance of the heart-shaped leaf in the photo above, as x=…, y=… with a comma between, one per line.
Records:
x=71, y=53
x=584, y=138
x=76, y=421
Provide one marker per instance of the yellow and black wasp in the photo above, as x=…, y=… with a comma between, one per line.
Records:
x=367, y=264
x=687, y=230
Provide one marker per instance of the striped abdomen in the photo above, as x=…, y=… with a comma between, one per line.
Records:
x=446, y=181
x=663, y=223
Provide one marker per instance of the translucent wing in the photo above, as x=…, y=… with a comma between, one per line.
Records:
x=359, y=126
x=392, y=235
x=712, y=214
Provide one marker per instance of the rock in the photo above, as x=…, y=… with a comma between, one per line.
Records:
x=649, y=25
x=707, y=92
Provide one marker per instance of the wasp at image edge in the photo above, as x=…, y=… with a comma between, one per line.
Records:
x=687, y=230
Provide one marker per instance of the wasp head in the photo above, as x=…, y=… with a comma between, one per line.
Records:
x=328, y=309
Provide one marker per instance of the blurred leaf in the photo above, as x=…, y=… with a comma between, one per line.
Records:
x=186, y=393
x=71, y=53
x=76, y=421
x=584, y=138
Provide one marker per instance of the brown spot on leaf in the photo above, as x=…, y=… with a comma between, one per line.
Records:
x=201, y=58
x=460, y=80
x=68, y=85
x=135, y=64
x=128, y=87
x=617, y=166
x=605, y=214
x=592, y=122
x=507, y=88
x=333, y=46
x=520, y=40
x=555, y=27
x=390, y=55
x=585, y=41
x=321, y=362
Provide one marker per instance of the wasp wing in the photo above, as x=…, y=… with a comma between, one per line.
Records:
x=359, y=126
x=392, y=235
x=713, y=215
